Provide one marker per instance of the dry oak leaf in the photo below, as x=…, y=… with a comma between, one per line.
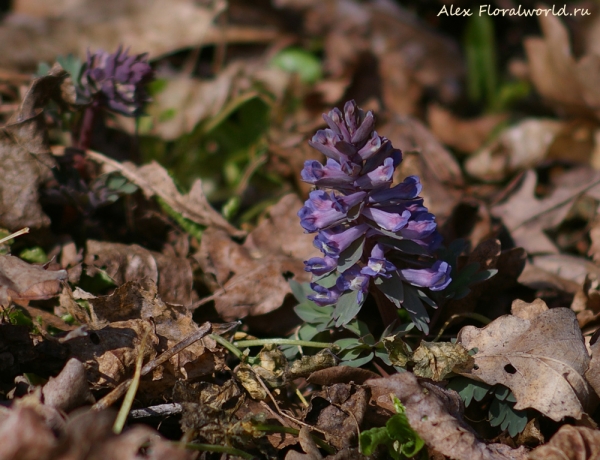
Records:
x=154, y=180
x=436, y=415
x=542, y=360
x=526, y=217
x=570, y=443
x=21, y=282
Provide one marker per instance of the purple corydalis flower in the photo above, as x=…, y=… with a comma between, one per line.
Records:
x=378, y=265
x=435, y=278
x=320, y=265
x=116, y=80
x=362, y=207
x=354, y=280
x=333, y=241
x=324, y=296
x=324, y=209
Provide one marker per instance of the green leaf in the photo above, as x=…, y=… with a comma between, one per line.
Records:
x=358, y=328
x=300, y=291
x=300, y=61
x=34, y=255
x=398, y=436
x=349, y=343
x=468, y=389
x=358, y=362
x=413, y=305
x=392, y=287
x=347, y=308
x=352, y=254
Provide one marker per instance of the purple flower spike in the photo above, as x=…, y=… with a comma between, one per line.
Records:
x=382, y=175
x=333, y=241
x=116, y=80
x=362, y=212
x=323, y=296
x=320, y=265
x=435, y=278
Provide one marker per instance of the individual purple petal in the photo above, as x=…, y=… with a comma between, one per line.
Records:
x=333, y=241
x=330, y=175
x=371, y=147
x=320, y=265
x=388, y=221
x=324, y=141
x=378, y=177
x=435, y=278
x=406, y=190
x=335, y=121
x=365, y=129
x=420, y=226
x=324, y=296
x=352, y=279
x=431, y=242
x=352, y=116
x=321, y=210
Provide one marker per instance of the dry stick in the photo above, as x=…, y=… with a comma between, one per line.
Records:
x=120, y=390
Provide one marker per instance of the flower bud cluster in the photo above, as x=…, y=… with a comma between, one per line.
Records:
x=116, y=81
x=367, y=230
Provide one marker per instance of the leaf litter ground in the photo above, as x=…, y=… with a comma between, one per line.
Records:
x=157, y=307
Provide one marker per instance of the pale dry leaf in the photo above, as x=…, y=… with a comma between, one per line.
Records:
x=24, y=435
x=252, y=279
x=541, y=360
x=153, y=27
x=517, y=147
x=464, y=135
x=566, y=84
x=21, y=281
x=69, y=389
x=528, y=311
x=592, y=374
x=526, y=217
x=435, y=414
x=154, y=180
x=570, y=443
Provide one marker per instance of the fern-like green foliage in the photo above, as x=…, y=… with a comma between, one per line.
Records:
x=501, y=412
x=397, y=435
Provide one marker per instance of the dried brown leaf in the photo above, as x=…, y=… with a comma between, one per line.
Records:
x=541, y=360
x=464, y=135
x=436, y=360
x=69, y=389
x=526, y=217
x=435, y=414
x=254, y=276
x=21, y=281
x=570, y=443
x=125, y=263
x=24, y=435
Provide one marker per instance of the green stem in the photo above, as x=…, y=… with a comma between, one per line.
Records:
x=227, y=344
x=476, y=316
x=284, y=429
x=300, y=343
x=215, y=448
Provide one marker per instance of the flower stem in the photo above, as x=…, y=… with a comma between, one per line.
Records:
x=299, y=343
x=227, y=344
x=87, y=127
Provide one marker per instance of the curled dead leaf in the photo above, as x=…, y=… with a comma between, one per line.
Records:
x=570, y=443
x=542, y=360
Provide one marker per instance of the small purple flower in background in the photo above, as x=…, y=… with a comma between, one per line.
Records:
x=372, y=235
x=116, y=81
